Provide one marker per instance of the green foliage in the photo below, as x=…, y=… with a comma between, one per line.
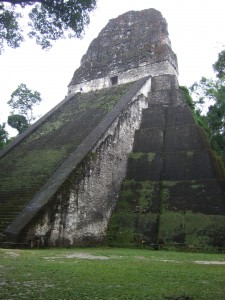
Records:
x=200, y=119
x=49, y=20
x=18, y=122
x=10, y=33
x=219, y=66
x=3, y=136
x=187, y=97
x=22, y=102
x=118, y=274
x=213, y=121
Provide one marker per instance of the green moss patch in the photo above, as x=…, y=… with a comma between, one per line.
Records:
x=204, y=230
x=194, y=230
x=31, y=163
x=171, y=227
x=138, y=196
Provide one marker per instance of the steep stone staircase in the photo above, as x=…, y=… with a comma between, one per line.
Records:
x=173, y=192
x=26, y=167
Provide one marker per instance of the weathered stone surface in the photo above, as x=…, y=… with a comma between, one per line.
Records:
x=131, y=46
x=162, y=83
x=135, y=219
x=185, y=138
x=153, y=117
x=179, y=115
x=198, y=196
x=193, y=230
x=148, y=140
x=144, y=166
x=189, y=165
x=184, y=194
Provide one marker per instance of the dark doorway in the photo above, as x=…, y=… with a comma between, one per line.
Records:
x=114, y=80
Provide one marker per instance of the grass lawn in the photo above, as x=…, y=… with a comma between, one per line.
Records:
x=110, y=273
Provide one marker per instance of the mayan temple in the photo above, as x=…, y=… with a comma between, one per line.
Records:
x=120, y=161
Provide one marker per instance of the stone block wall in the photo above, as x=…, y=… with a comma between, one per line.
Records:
x=173, y=193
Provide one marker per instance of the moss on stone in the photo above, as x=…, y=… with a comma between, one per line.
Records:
x=146, y=194
x=121, y=229
x=196, y=185
x=32, y=168
x=171, y=228
x=133, y=220
x=151, y=156
x=170, y=183
x=31, y=163
x=136, y=195
x=165, y=194
x=190, y=154
x=136, y=155
x=204, y=231
x=195, y=230
x=139, y=155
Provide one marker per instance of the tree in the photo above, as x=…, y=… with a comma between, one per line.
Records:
x=3, y=136
x=214, y=119
x=219, y=66
x=22, y=102
x=49, y=20
x=10, y=31
x=18, y=122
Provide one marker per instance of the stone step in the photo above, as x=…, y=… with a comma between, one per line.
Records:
x=144, y=166
x=4, y=225
x=159, y=116
x=190, y=165
x=149, y=140
x=182, y=138
x=200, y=196
x=153, y=117
x=183, y=165
x=166, y=98
x=6, y=218
x=160, y=98
x=9, y=212
x=12, y=245
x=185, y=138
x=139, y=196
x=179, y=115
x=164, y=82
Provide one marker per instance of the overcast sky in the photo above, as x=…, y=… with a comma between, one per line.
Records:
x=196, y=30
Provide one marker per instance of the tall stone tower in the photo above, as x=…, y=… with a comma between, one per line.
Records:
x=120, y=160
x=132, y=46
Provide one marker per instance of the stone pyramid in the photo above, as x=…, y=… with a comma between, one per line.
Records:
x=120, y=160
